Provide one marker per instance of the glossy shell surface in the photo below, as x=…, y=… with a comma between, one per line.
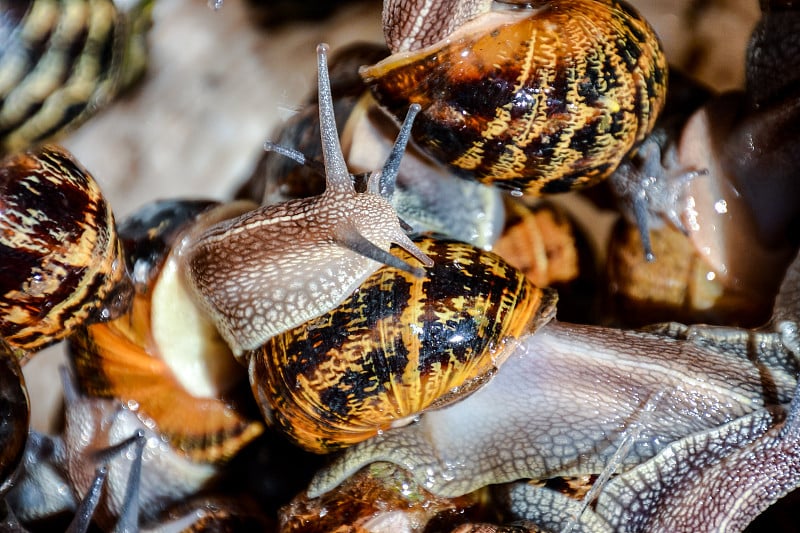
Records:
x=62, y=261
x=397, y=346
x=541, y=103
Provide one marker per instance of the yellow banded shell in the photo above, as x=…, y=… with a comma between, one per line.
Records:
x=540, y=100
x=397, y=346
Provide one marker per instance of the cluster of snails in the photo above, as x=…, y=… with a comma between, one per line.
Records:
x=435, y=355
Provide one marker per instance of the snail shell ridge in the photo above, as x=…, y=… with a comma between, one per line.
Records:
x=62, y=61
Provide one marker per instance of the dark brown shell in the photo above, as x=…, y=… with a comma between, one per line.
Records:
x=397, y=346
x=60, y=259
x=541, y=104
x=62, y=61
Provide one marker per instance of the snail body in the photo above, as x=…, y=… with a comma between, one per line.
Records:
x=538, y=100
x=326, y=245
x=396, y=347
x=61, y=61
x=143, y=358
x=62, y=260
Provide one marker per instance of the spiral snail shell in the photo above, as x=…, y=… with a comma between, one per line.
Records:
x=397, y=346
x=539, y=99
x=62, y=260
x=61, y=61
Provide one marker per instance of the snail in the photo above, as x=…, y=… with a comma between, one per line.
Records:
x=60, y=62
x=399, y=345
x=735, y=230
x=536, y=97
x=177, y=373
x=326, y=245
x=62, y=265
x=427, y=195
x=569, y=397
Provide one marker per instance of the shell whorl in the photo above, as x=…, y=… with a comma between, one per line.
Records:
x=281, y=265
x=538, y=100
x=62, y=263
x=397, y=346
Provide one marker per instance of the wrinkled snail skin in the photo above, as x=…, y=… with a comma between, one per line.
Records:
x=62, y=263
x=396, y=347
x=326, y=245
x=161, y=359
x=94, y=426
x=414, y=24
x=716, y=444
x=566, y=397
x=62, y=60
x=538, y=99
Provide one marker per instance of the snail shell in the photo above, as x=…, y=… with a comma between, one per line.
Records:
x=61, y=61
x=62, y=263
x=397, y=346
x=541, y=99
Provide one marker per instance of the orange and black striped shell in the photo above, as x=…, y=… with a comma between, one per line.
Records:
x=541, y=103
x=61, y=60
x=397, y=346
x=61, y=261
